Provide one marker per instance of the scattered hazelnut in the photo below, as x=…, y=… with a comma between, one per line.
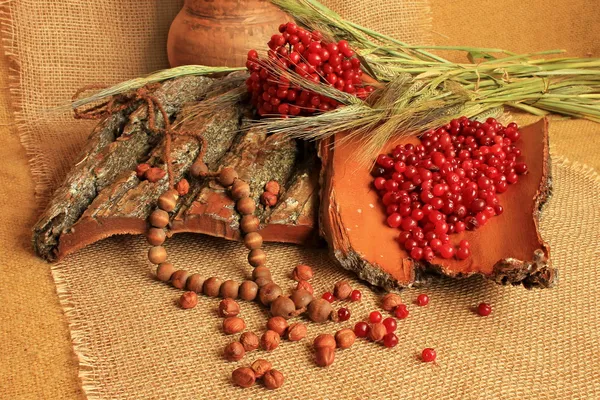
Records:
x=377, y=332
x=268, y=199
x=319, y=310
x=159, y=218
x=302, y=273
x=273, y=379
x=227, y=176
x=390, y=301
x=156, y=236
x=324, y=340
x=179, y=278
x=305, y=285
x=155, y=174
x=243, y=377
x=296, y=331
x=212, y=287
x=168, y=200
x=277, y=324
x=234, y=351
x=248, y=290
x=198, y=169
x=164, y=271
x=229, y=289
x=249, y=223
x=301, y=298
x=228, y=308
x=246, y=206
x=272, y=187
x=250, y=341
x=270, y=340
x=324, y=356
x=345, y=338
x=195, y=283
x=232, y=325
x=157, y=254
x=283, y=306
x=261, y=366
x=268, y=293
x=342, y=290
x=182, y=187
x=257, y=257
x=188, y=300
x=140, y=170
x=239, y=190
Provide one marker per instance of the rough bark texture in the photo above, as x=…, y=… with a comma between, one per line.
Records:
x=507, y=250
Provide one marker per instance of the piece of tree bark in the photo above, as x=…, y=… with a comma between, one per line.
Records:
x=509, y=249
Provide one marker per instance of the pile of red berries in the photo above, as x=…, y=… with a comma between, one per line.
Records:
x=304, y=53
x=447, y=184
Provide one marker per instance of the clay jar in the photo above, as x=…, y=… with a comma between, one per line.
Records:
x=220, y=32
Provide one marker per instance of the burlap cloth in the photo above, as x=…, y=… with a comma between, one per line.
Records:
x=130, y=341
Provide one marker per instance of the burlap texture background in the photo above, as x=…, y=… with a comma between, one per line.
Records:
x=132, y=342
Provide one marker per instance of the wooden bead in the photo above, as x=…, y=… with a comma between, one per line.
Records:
x=179, y=278
x=248, y=290
x=164, y=271
x=261, y=272
x=156, y=236
x=212, y=287
x=230, y=289
x=198, y=169
x=227, y=176
x=253, y=240
x=257, y=257
x=159, y=218
x=240, y=190
x=268, y=293
x=168, y=200
x=249, y=223
x=246, y=206
x=194, y=283
x=157, y=254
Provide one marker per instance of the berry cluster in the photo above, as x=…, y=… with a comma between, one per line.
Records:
x=304, y=53
x=447, y=184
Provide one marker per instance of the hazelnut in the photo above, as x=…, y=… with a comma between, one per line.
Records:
x=182, y=187
x=345, y=338
x=301, y=298
x=179, y=278
x=273, y=379
x=296, y=331
x=268, y=199
x=140, y=170
x=195, y=283
x=253, y=240
x=324, y=340
x=260, y=367
x=319, y=310
x=212, y=287
x=164, y=271
x=277, y=324
x=306, y=286
x=270, y=340
x=159, y=218
x=188, y=300
x=283, y=306
x=229, y=289
x=390, y=301
x=257, y=257
x=227, y=176
x=272, y=187
x=342, y=290
x=168, y=200
x=156, y=236
x=246, y=206
x=334, y=316
x=302, y=273
x=243, y=377
x=157, y=254
x=198, y=169
x=268, y=293
x=249, y=340
x=249, y=223
x=155, y=174
x=248, y=290
x=377, y=332
x=233, y=325
x=324, y=356
x=228, y=308
x=240, y=190
x=234, y=351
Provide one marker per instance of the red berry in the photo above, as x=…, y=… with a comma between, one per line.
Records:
x=375, y=317
x=463, y=253
x=390, y=340
x=356, y=295
x=422, y=300
x=344, y=314
x=328, y=296
x=484, y=309
x=428, y=355
x=361, y=329
x=390, y=324
x=446, y=251
x=401, y=311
